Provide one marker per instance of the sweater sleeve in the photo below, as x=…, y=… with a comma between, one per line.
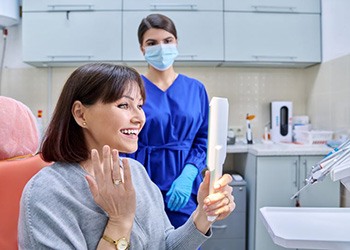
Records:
x=186, y=237
x=48, y=216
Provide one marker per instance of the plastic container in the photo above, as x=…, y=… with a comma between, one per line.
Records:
x=314, y=137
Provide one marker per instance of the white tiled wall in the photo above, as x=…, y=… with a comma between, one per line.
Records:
x=249, y=90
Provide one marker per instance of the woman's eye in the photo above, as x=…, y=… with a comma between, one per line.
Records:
x=140, y=106
x=123, y=106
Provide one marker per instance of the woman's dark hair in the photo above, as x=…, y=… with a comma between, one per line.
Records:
x=156, y=21
x=64, y=139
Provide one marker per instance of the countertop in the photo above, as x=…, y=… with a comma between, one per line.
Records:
x=261, y=149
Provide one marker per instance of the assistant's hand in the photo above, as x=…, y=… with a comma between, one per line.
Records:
x=181, y=189
x=118, y=200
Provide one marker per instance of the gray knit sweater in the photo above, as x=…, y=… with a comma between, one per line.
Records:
x=58, y=212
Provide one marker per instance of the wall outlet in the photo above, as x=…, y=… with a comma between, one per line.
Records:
x=238, y=130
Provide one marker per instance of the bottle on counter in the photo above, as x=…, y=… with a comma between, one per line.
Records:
x=249, y=133
x=40, y=124
x=231, y=137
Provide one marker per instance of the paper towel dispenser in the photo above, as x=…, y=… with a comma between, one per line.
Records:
x=281, y=121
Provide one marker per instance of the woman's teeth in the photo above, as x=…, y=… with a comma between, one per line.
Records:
x=129, y=131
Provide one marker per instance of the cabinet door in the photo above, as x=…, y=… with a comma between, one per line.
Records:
x=178, y=5
x=200, y=35
x=61, y=5
x=294, y=6
x=325, y=193
x=51, y=37
x=276, y=182
x=278, y=37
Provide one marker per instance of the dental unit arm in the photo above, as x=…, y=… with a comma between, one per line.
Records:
x=336, y=163
x=217, y=140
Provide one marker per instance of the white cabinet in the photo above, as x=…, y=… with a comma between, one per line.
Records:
x=289, y=6
x=225, y=32
x=200, y=35
x=71, y=31
x=199, y=25
x=71, y=5
x=271, y=31
x=179, y=5
x=272, y=181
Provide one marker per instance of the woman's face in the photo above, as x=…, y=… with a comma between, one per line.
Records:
x=157, y=36
x=116, y=124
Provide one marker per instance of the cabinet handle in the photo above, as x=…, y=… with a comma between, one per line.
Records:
x=286, y=58
x=65, y=7
x=296, y=182
x=173, y=6
x=84, y=57
x=305, y=171
x=264, y=8
x=219, y=226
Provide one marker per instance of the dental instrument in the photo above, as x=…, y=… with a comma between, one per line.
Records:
x=336, y=163
x=217, y=140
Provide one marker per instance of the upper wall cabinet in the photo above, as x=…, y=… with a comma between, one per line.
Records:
x=289, y=6
x=198, y=38
x=224, y=32
x=179, y=5
x=71, y=5
x=272, y=32
x=199, y=26
x=75, y=31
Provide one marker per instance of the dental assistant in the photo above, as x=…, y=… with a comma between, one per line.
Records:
x=173, y=142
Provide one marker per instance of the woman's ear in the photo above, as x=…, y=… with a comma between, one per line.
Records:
x=78, y=112
x=142, y=50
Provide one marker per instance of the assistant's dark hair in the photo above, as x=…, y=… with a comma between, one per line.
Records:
x=64, y=139
x=156, y=21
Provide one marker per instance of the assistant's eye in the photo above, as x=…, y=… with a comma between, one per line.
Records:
x=169, y=40
x=150, y=43
x=123, y=106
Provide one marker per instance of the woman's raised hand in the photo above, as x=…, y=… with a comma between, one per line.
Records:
x=112, y=187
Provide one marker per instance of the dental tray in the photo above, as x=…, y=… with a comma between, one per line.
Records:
x=308, y=228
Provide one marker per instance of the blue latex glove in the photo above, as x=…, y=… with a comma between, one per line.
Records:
x=181, y=189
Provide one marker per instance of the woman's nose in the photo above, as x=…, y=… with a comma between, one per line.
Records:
x=138, y=116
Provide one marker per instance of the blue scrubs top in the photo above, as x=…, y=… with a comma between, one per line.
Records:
x=175, y=134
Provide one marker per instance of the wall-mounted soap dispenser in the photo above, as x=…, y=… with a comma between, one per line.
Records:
x=281, y=121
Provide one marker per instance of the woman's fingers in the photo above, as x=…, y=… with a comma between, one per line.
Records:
x=116, y=176
x=95, y=159
x=223, y=181
x=127, y=175
x=221, y=203
x=107, y=164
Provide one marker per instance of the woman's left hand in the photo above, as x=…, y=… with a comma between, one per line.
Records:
x=221, y=202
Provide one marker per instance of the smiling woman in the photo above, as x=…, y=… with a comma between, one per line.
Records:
x=91, y=89
x=92, y=199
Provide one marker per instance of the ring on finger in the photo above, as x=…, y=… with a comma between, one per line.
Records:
x=228, y=200
x=117, y=182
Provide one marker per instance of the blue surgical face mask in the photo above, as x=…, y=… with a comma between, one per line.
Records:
x=161, y=56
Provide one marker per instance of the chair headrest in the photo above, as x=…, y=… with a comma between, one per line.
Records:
x=19, y=133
